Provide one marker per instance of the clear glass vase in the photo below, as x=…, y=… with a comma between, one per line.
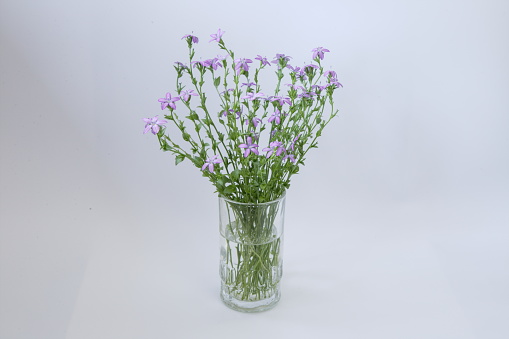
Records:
x=251, y=253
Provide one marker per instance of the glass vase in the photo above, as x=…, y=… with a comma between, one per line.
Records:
x=251, y=253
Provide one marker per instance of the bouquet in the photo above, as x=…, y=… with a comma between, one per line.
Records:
x=252, y=144
x=248, y=146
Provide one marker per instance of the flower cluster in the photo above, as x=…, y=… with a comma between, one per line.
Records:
x=286, y=123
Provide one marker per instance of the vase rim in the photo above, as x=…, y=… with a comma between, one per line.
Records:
x=254, y=203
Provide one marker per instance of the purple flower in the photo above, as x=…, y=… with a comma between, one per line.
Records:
x=168, y=101
x=317, y=88
x=276, y=116
x=249, y=146
x=299, y=73
x=225, y=113
x=253, y=96
x=331, y=75
x=152, y=124
x=294, y=69
x=194, y=39
x=248, y=84
x=263, y=60
x=318, y=52
x=275, y=146
x=333, y=79
x=210, y=163
x=200, y=62
x=255, y=121
x=217, y=37
x=186, y=95
x=242, y=63
x=310, y=68
x=306, y=94
x=295, y=87
x=255, y=135
x=213, y=63
x=281, y=60
x=226, y=92
x=292, y=145
x=281, y=100
x=282, y=57
x=289, y=157
x=181, y=65
x=334, y=84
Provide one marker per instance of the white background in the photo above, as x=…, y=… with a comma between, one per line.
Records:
x=397, y=227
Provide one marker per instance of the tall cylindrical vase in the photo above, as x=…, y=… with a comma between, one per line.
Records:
x=251, y=253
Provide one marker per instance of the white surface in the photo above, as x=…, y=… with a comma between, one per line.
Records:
x=396, y=228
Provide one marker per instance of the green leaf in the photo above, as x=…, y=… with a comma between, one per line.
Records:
x=193, y=116
x=197, y=161
x=235, y=175
x=179, y=158
x=198, y=127
x=207, y=121
x=233, y=135
x=217, y=81
x=230, y=189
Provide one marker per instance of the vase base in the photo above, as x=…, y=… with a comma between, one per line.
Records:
x=250, y=306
